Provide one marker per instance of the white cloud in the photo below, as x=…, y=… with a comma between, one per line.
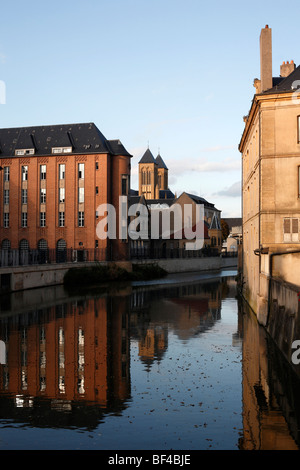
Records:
x=202, y=165
x=232, y=191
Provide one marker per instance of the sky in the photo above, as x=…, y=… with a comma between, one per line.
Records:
x=172, y=75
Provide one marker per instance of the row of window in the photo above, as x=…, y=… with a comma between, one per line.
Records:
x=41, y=245
x=43, y=172
x=61, y=195
x=61, y=219
x=31, y=151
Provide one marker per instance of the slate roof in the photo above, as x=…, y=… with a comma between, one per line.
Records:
x=166, y=194
x=284, y=85
x=84, y=138
x=147, y=157
x=233, y=221
x=200, y=200
x=153, y=202
x=160, y=162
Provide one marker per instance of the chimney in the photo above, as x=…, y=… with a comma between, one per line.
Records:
x=287, y=68
x=266, y=59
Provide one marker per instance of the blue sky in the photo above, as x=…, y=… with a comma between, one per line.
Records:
x=176, y=75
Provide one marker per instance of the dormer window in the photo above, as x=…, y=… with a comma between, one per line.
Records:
x=61, y=149
x=24, y=152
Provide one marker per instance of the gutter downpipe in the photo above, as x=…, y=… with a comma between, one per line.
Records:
x=279, y=253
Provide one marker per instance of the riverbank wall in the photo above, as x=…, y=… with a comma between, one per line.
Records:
x=278, y=311
x=19, y=278
x=283, y=318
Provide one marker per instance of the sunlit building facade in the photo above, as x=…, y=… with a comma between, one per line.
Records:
x=270, y=148
x=53, y=180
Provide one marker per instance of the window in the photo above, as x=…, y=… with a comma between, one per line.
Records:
x=61, y=194
x=43, y=172
x=5, y=244
x=6, y=173
x=61, y=219
x=80, y=195
x=62, y=169
x=80, y=170
x=61, y=149
x=290, y=230
x=24, y=152
x=143, y=177
x=6, y=219
x=124, y=188
x=24, y=196
x=97, y=190
x=80, y=219
x=42, y=219
x=97, y=214
x=24, y=219
x=24, y=173
x=96, y=244
x=97, y=165
x=43, y=196
x=6, y=196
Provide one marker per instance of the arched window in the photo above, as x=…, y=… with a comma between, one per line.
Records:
x=42, y=244
x=5, y=244
x=61, y=251
x=24, y=245
x=42, y=249
x=24, y=252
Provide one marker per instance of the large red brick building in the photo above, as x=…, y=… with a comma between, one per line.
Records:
x=53, y=179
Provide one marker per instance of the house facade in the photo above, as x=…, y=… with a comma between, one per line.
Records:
x=270, y=149
x=53, y=180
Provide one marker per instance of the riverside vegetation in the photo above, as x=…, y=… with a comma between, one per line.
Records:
x=99, y=273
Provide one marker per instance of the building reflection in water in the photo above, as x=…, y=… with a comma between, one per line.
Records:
x=67, y=358
x=186, y=310
x=74, y=355
x=66, y=355
x=271, y=391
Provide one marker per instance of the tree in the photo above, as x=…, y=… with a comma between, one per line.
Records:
x=225, y=229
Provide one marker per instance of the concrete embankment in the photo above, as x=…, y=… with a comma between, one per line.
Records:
x=18, y=278
x=283, y=322
x=281, y=319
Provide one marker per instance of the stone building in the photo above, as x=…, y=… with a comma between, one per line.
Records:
x=270, y=148
x=54, y=178
x=153, y=177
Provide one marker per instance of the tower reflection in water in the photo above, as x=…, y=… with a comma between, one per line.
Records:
x=74, y=355
x=67, y=361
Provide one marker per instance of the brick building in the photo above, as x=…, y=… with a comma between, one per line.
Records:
x=53, y=180
x=153, y=177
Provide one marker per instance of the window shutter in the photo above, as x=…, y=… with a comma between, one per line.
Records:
x=286, y=226
x=294, y=225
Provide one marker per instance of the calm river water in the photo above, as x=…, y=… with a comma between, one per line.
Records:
x=178, y=364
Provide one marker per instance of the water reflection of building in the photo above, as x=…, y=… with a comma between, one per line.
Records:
x=271, y=414
x=69, y=353
x=186, y=310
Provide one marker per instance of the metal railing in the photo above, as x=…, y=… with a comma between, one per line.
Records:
x=35, y=257
x=181, y=253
